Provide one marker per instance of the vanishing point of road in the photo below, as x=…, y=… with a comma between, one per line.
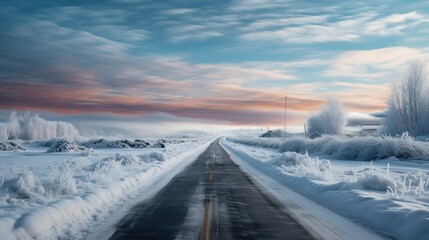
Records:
x=211, y=199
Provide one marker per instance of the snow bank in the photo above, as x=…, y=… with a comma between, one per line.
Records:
x=11, y=146
x=123, y=143
x=63, y=201
x=357, y=148
x=65, y=145
x=31, y=127
x=389, y=202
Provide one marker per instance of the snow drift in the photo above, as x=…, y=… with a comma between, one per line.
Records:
x=356, y=148
x=32, y=127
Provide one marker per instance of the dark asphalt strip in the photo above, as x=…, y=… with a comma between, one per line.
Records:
x=232, y=207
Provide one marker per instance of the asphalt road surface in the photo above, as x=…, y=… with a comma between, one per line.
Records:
x=210, y=199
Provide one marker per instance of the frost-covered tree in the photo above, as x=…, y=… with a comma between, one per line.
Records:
x=330, y=120
x=30, y=127
x=408, y=104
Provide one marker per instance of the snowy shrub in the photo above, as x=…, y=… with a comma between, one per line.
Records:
x=412, y=183
x=32, y=127
x=115, y=162
x=23, y=185
x=65, y=145
x=261, y=142
x=123, y=143
x=375, y=181
x=408, y=104
x=129, y=159
x=61, y=181
x=11, y=146
x=303, y=165
x=103, y=167
x=296, y=144
x=153, y=156
x=357, y=148
x=330, y=120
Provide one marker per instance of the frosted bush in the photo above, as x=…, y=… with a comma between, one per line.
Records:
x=103, y=167
x=262, y=142
x=299, y=145
x=123, y=143
x=152, y=156
x=407, y=106
x=65, y=145
x=357, y=148
x=124, y=160
x=11, y=146
x=303, y=165
x=61, y=181
x=412, y=183
x=23, y=185
x=375, y=181
x=330, y=120
x=115, y=163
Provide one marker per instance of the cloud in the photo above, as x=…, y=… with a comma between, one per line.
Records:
x=178, y=11
x=382, y=63
x=361, y=97
x=254, y=5
x=198, y=35
x=282, y=21
x=78, y=60
x=50, y=67
x=306, y=30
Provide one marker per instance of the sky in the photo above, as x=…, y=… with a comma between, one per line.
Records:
x=161, y=66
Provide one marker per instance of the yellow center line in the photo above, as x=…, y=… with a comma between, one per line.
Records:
x=205, y=229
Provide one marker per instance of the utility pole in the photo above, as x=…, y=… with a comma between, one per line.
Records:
x=284, y=129
x=305, y=130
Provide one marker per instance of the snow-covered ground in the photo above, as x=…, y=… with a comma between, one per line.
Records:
x=45, y=195
x=388, y=196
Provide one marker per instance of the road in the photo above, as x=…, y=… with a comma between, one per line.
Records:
x=210, y=199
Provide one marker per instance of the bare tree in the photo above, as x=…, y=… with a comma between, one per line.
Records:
x=408, y=104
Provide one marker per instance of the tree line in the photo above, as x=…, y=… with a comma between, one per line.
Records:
x=407, y=108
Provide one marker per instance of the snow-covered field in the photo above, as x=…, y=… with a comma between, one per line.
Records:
x=46, y=194
x=389, y=195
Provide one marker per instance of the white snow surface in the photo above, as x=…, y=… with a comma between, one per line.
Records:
x=388, y=196
x=66, y=195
